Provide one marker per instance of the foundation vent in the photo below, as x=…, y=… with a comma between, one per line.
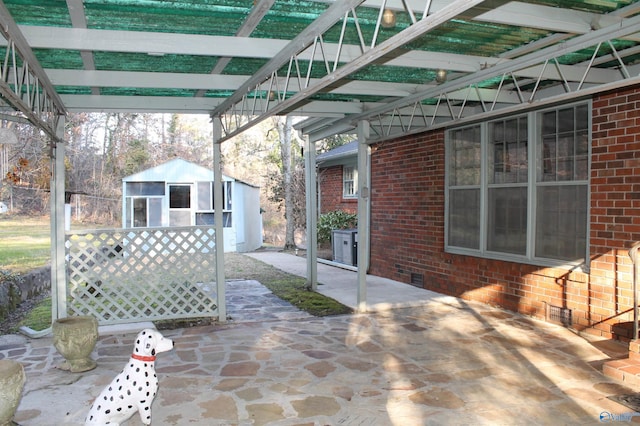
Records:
x=558, y=315
x=417, y=280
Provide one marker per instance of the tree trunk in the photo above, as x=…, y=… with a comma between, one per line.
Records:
x=284, y=130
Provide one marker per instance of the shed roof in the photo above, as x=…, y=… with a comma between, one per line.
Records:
x=438, y=62
x=174, y=171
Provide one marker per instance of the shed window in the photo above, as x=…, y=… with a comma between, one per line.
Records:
x=143, y=204
x=205, y=214
x=145, y=188
x=205, y=196
x=517, y=188
x=179, y=196
x=142, y=212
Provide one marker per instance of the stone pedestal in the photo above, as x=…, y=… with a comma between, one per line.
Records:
x=12, y=380
x=75, y=338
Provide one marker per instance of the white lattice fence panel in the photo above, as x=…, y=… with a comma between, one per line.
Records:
x=130, y=275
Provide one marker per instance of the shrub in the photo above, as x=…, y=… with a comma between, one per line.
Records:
x=335, y=220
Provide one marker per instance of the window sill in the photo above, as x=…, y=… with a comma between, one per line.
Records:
x=576, y=266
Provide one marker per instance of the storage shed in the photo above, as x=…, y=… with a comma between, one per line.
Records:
x=180, y=193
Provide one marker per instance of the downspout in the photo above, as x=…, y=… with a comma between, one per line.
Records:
x=319, y=179
x=633, y=254
x=368, y=228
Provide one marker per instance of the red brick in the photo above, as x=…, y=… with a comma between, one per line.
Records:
x=407, y=224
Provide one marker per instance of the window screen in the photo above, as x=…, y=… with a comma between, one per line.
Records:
x=179, y=196
x=144, y=188
x=517, y=188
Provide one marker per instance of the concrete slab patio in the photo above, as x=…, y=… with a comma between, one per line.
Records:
x=341, y=284
x=440, y=361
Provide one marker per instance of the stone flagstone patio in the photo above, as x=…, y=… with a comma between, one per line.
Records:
x=445, y=362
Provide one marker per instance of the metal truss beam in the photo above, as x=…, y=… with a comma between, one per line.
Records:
x=234, y=104
x=253, y=102
x=410, y=115
x=24, y=84
x=27, y=95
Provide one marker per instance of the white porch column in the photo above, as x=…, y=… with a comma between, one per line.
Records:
x=364, y=151
x=218, y=221
x=57, y=205
x=312, y=212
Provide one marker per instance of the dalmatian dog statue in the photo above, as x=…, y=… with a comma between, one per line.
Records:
x=135, y=387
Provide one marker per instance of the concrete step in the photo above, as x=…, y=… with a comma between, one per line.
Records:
x=626, y=370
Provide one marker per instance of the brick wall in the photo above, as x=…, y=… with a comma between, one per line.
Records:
x=615, y=202
x=330, y=182
x=407, y=227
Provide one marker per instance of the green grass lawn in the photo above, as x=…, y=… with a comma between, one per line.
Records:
x=25, y=243
x=39, y=318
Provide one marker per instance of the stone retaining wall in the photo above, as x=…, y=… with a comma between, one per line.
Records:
x=15, y=289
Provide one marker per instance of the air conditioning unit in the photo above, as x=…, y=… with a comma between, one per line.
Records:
x=345, y=246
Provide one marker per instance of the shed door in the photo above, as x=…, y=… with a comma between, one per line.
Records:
x=179, y=205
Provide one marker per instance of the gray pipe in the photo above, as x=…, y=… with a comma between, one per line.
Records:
x=633, y=254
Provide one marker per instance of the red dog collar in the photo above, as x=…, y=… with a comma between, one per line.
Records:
x=143, y=358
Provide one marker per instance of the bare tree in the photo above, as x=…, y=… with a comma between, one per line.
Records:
x=103, y=148
x=25, y=184
x=286, y=181
x=284, y=132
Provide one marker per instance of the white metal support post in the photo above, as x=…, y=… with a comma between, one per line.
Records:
x=58, y=267
x=312, y=213
x=363, y=212
x=218, y=221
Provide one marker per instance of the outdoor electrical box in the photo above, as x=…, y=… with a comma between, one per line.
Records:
x=345, y=246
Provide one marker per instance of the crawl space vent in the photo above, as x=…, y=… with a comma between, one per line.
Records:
x=417, y=280
x=558, y=315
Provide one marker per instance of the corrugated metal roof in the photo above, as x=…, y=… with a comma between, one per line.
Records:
x=178, y=170
x=175, y=171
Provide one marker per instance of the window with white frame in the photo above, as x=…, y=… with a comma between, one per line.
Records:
x=143, y=204
x=517, y=188
x=180, y=204
x=206, y=213
x=349, y=181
